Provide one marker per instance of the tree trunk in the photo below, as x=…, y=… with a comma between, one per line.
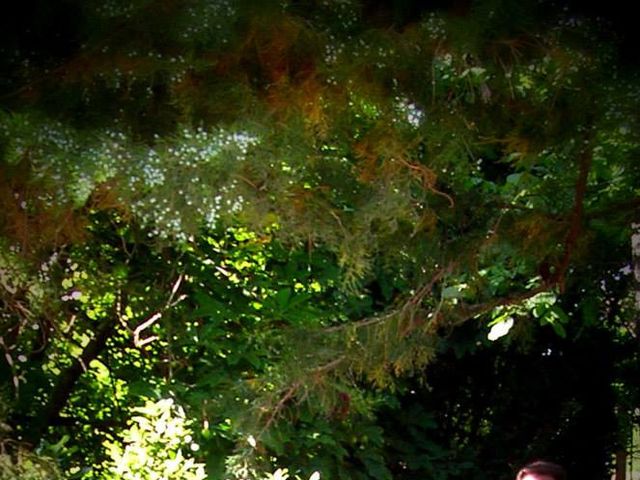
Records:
x=66, y=383
x=635, y=265
x=621, y=465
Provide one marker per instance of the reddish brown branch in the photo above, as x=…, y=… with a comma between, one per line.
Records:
x=288, y=394
x=575, y=221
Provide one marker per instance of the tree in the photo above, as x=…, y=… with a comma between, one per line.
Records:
x=282, y=210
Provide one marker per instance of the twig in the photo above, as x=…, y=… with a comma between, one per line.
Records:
x=144, y=325
x=293, y=389
x=289, y=393
x=174, y=290
x=337, y=218
x=365, y=322
x=428, y=180
x=329, y=366
x=137, y=341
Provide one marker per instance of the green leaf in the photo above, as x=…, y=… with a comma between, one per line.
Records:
x=559, y=329
x=282, y=298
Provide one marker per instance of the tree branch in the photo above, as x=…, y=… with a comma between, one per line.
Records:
x=575, y=225
x=414, y=300
x=66, y=382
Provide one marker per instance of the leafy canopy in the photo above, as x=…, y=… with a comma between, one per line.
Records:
x=281, y=210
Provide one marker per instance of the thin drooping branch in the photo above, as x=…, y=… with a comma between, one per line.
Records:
x=291, y=391
x=279, y=407
x=461, y=312
x=411, y=303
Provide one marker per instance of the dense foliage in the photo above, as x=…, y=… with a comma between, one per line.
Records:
x=356, y=239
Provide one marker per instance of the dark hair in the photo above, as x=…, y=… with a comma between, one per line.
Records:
x=541, y=467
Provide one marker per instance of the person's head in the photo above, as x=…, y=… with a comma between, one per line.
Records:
x=541, y=470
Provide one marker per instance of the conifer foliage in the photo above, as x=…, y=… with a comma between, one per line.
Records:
x=275, y=213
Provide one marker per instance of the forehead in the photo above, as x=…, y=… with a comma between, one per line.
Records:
x=535, y=476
